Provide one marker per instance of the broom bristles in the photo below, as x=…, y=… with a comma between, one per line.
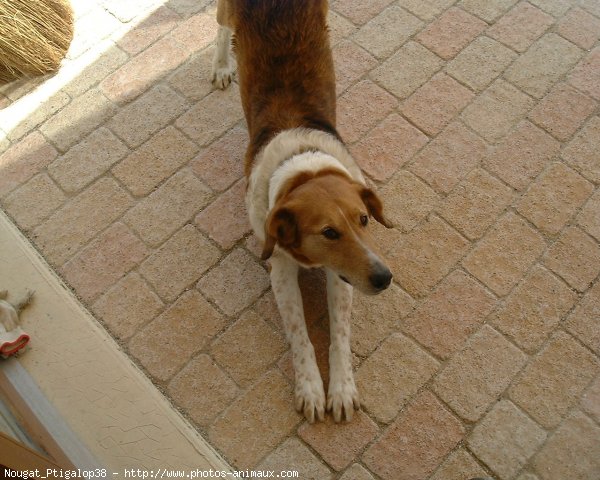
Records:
x=34, y=36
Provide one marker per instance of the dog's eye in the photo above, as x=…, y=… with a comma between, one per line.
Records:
x=330, y=233
x=364, y=219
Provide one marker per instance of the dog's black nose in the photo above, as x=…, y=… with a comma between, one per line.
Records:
x=381, y=278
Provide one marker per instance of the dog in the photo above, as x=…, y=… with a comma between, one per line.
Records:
x=306, y=197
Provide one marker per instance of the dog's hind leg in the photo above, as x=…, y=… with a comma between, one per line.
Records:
x=342, y=395
x=309, y=392
x=223, y=66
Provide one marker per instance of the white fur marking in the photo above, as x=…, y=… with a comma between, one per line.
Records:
x=223, y=66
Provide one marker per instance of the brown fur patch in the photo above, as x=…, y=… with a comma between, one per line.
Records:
x=285, y=67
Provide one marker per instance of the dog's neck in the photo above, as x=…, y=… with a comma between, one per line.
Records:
x=281, y=149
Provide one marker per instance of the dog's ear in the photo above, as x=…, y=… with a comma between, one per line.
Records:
x=280, y=228
x=374, y=206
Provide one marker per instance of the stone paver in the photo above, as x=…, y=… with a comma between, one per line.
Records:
x=572, y=452
x=580, y=27
x=452, y=313
x=169, y=341
x=23, y=160
x=520, y=27
x=585, y=75
x=459, y=465
x=416, y=442
x=235, y=283
x=356, y=472
x=590, y=402
x=294, y=455
x=135, y=77
x=411, y=200
x=474, y=378
x=387, y=147
x=562, y=111
x=108, y=258
x=148, y=114
x=212, y=116
x=494, y=113
x=543, y=64
x=158, y=158
x=225, y=220
x=475, y=203
x=80, y=117
x=553, y=381
x=488, y=10
x=583, y=321
x=449, y=157
x=339, y=444
x=588, y=218
x=387, y=31
x=554, y=197
x=533, y=309
x=582, y=151
x=221, y=164
x=498, y=261
x=476, y=121
x=505, y=439
x=179, y=262
x=409, y=68
x=351, y=62
x=202, y=374
x=359, y=12
x=522, y=155
x=425, y=255
x=257, y=346
x=81, y=219
x=361, y=107
x=403, y=368
x=87, y=160
x=480, y=63
x=436, y=103
x=370, y=325
x=575, y=257
x=168, y=208
x=263, y=408
x=451, y=32
x=34, y=201
x=127, y=306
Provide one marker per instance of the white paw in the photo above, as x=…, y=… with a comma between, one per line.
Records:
x=310, y=398
x=221, y=76
x=342, y=399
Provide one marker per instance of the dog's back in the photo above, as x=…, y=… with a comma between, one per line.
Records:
x=285, y=68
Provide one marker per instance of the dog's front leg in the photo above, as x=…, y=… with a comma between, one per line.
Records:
x=309, y=392
x=342, y=395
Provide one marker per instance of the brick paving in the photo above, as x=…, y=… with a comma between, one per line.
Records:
x=478, y=120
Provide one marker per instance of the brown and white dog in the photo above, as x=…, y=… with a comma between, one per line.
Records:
x=307, y=199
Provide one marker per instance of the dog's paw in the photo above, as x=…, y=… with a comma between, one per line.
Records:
x=310, y=399
x=221, y=77
x=342, y=399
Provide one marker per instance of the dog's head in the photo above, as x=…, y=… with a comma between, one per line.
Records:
x=322, y=219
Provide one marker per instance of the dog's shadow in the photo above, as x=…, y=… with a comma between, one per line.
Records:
x=313, y=285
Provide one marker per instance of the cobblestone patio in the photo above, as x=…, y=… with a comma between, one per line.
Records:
x=478, y=121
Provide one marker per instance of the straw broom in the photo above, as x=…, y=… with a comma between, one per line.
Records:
x=34, y=36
